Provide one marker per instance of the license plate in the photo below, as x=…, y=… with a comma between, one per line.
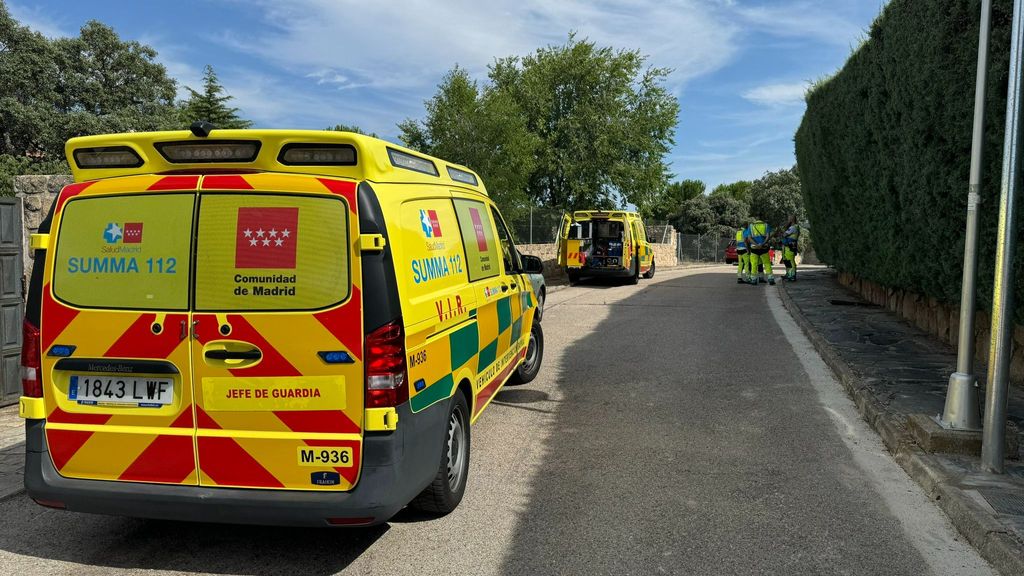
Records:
x=132, y=390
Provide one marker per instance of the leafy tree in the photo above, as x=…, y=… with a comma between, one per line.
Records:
x=53, y=90
x=696, y=216
x=670, y=201
x=482, y=128
x=211, y=104
x=715, y=215
x=350, y=128
x=589, y=125
x=731, y=214
x=739, y=190
x=776, y=196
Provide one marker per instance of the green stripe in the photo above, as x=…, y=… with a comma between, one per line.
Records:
x=504, y=314
x=487, y=356
x=464, y=343
x=434, y=393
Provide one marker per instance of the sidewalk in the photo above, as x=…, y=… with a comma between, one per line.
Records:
x=12, y=452
x=892, y=370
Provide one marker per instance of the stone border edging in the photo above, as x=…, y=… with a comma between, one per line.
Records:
x=997, y=546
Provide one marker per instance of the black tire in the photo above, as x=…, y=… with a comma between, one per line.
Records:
x=540, y=305
x=650, y=273
x=444, y=493
x=574, y=277
x=530, y=366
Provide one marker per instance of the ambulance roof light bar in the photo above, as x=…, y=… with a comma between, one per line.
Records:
x=107, y=157
x=191, y=151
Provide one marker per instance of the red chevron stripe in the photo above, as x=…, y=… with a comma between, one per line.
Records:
x=272, y=364
x=228, y=182
x=175, y=183
x=227, y=463
x=63, y=444
x=184, y=420
x=55, y=318
x=342, y=188
x=138, y=341
x=334, y=421
x=345, y=323
x=63, y=417
x=70, y=191
x=167, y=459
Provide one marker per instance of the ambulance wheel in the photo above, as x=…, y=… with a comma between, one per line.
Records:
x=445, y=492
x=635, y=276
x=530, y=365
x=574, y=277
x=650, y=273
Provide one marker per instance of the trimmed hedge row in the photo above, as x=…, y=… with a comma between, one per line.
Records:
x=884, y=150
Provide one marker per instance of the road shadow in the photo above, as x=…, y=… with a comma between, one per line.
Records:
x=137, y=544
x=689, y=440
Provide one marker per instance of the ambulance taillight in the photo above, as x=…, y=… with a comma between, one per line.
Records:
x=31, y=361
x=385, y=367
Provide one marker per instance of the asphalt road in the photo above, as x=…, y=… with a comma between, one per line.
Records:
x=684, y=426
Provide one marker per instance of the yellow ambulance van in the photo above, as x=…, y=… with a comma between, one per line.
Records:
x=601, y=243
x=266, y=326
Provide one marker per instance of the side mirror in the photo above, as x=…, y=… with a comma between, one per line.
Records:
x=532, y=264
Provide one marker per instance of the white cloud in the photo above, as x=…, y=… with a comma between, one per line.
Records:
x=411, y=44
x=819, y=20
x=788, y=94
x=37, y=19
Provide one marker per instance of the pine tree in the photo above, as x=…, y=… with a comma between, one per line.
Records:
x=211, y=105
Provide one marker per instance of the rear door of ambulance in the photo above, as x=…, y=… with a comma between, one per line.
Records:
x=277, y=333
x=114, y=331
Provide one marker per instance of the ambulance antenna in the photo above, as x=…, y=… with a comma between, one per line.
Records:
x=201, y=128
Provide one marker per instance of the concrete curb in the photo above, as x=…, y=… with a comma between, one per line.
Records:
x=995, y=544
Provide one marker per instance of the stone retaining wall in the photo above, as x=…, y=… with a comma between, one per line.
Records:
x=37, y=193
x=938, y=319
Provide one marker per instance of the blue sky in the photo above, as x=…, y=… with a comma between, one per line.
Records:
x=740, y=66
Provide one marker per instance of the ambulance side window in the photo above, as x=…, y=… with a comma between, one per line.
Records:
x=478, y=238
x=508, y=248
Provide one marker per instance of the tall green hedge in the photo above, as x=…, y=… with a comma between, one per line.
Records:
x=884, y=150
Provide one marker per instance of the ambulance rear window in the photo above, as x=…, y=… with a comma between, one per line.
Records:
x=125, y=252
x=271, y=252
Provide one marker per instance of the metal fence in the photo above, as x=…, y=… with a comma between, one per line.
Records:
x=540, y=226
x=701, y=248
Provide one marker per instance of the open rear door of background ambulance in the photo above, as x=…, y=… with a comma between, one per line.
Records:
x=568, y=243
x=277, y=333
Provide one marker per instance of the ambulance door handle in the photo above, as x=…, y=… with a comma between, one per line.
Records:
x=253, y=354
x=231, y=354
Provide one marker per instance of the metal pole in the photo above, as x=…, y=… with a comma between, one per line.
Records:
x=962, y=410
x=993, y=436
x=531, y=223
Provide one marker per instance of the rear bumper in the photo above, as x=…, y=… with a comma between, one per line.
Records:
x=396, y=467
x=614, y=272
